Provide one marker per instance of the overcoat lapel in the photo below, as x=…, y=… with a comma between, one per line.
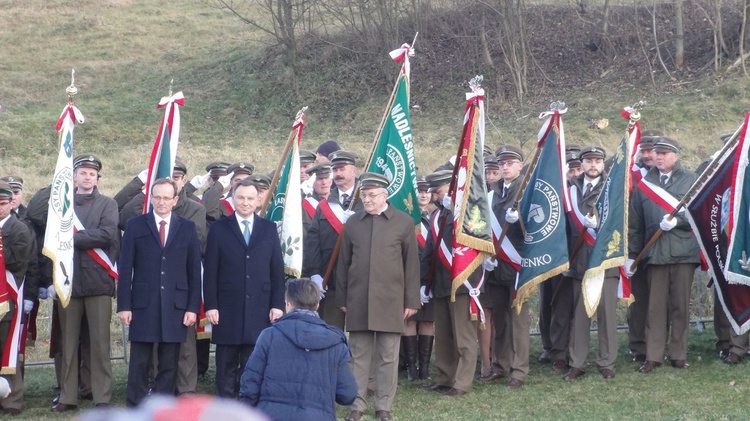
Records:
x=174, y=226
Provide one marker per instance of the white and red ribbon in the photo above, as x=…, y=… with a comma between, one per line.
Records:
x=97, y=254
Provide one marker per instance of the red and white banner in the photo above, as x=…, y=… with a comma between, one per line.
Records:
x=164, y=151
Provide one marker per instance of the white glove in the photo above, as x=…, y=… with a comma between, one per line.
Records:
x=347, y=214
x=489, y=264
x=200, y=180
x=4, y=388
x=318, y=280
x=667, y=224
x=628, y=270
x=590, y=221
x=225, y=179
x=447, y=201
x=307, y=186
x=42, y=293
x=51, y=293
x=28, y=305
x=424, y=298
x=511, y=216
x=142, y=176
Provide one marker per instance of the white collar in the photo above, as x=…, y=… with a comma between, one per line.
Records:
x=593, y=182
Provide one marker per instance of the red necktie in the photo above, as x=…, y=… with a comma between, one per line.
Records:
x=162, y=232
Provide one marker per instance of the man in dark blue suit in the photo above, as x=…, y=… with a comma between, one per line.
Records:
x=158, y=292
x=243, y=282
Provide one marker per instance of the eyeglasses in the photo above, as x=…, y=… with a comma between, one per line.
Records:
x=371, y=196
x=161, y=198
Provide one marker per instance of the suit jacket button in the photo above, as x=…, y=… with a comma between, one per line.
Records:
x=162, y=287
x=247, y=257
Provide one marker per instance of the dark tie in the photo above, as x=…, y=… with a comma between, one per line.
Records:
x=664, y=179
x=588, y=189
x=162, y=232
x=345, y=200
x=505, y=191
x=246, y=232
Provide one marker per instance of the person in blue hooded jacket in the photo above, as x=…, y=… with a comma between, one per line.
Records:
x=299, y=368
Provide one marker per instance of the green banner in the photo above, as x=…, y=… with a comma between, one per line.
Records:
x=545, y=247
x=393, y=155
x=276, y=208
x=610, y=247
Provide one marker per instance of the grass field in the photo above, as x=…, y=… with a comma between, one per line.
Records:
x=707, y=390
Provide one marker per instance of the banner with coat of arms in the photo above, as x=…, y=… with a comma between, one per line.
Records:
x=472, y=237
x=542, y=211
x=58, y=236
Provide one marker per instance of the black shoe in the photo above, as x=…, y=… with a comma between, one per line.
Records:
x=455, y=392
x=574, y=373
x=63, y=407
x=732, y=358
x=435, y=386
x=723, y=354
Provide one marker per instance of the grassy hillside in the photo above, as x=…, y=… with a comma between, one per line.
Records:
x=125, y=52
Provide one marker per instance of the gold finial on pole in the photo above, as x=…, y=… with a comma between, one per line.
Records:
x=635, y=115
x=72, y=90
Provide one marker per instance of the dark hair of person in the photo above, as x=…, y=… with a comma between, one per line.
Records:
x=164, y=181
x=302, y=293
x=245, y=182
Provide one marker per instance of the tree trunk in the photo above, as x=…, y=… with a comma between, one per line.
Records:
x=679, y=31
x=742, y=36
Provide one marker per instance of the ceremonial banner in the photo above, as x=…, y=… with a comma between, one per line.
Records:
x=542, y=211
x=58, y=236
x=286, y=205
x=393, y=153
x=738, y=266
x=637, y=173
x=610, y=246
x=472, y=237
x=13, y=340
x=164, y=151
x=708, y=214
x=634, y=141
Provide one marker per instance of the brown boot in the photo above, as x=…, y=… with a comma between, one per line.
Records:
x=425, y=352
x=410, y=349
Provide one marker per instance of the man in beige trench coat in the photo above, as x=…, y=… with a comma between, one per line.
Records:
x=378, y=288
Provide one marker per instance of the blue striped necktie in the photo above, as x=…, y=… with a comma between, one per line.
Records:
x=246, y=232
